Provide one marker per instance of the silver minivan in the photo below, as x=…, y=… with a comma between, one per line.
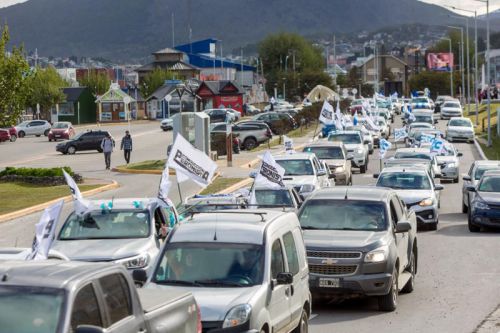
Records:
x=246, y=268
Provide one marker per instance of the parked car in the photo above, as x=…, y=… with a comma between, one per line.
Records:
x=304, y=172
x=449, y=162
x=13, y=133
x=61, y=130
x=279, y=105
x=220, y=115
x=125, y=231
x=252, y=110
x=282, y=199
x=84, y=141
x=360, y=241
x=246, y=268
x=251, y=133
x=334, y=155
x=451, y=109
x=4, y=135
x=33, y=127
x=476, y=171
x=460, y=128
x=357, y=149
x=279, y=122
x=417, y=189
x=484, y=209
x=236, y=114
x=166, y=124
x=62, y=296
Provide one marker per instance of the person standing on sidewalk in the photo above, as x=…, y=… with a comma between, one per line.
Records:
x=107, y=146
x=126, y=146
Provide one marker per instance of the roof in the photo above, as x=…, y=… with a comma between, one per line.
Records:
x=48, y=273
x=167, y=50
x=217, y=86
x=371, y=193
x=73, y=93
x=161, y=92
x=114, y=94
x=125, y=203
x=167, y=65
x=403, y=169
x=493, y=172
x=486, y=162
x=294, y=156
x=371, y=57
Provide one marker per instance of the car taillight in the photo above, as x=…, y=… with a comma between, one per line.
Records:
x=199, y=327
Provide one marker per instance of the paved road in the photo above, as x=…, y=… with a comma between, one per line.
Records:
x=457, y=284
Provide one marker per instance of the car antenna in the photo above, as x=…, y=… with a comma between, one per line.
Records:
x=345, y=197
x=215, y=231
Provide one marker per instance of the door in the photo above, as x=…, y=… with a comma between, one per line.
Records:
x=279, y=310
x=86, y=309
x=85, y=141
x=465, y=193
x=300, y=285
x=401, y=238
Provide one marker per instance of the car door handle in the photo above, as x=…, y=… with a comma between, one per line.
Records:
x=142, y=330
x=287, y=292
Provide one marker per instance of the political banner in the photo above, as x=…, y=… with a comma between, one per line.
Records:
x=288, y=143
x=270, y=173
x=326, y=114
x=437, y=147
x=400, y=133
x=442, y=62
x=384, y=147
x=45, y=231
x=81, y=205
x=427, y=138
x=190, y=163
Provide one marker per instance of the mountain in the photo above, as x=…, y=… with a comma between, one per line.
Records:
x=132, y=29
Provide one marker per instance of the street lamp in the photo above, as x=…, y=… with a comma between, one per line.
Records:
x=451, y=67
x=468, y=64
x=462, y=56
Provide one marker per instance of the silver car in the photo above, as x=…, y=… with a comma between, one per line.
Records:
x=334, y=155
x=125, y=231
x=356, y=147
x=449, y=162
x=460, y=128
x=451, y=109
x=417, y=189
x=283, y=199
x=366, y=134
x=33, y=127
x=476, y=171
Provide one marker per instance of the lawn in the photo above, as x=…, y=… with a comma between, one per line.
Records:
x=17, y=196
x=146, y=165
x=220, y=184
x=493, y=152
x=296, y=133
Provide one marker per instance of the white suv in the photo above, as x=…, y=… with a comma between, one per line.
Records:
x=246, y=268
x=356, y=147
x=33, y=127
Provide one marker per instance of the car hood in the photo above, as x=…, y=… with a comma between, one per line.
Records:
x=414, y=196
x=492, y=198
x=460, y=129
x=214, y=302
x=344, y=239
x=334, y=162
x=352, y=146
x=101, y=249
x=298, y=180
x=446, y=159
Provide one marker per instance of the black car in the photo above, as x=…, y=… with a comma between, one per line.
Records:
x=484, y=208
x=220, y=116
x=279, y=122
x=90, y=140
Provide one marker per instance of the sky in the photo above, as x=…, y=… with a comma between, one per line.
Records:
x=464, y=4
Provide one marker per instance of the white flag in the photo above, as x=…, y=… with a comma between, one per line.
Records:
x=326, y=114
x=45, y=231
x=371, y=124
x=81, y=205
x=191, y=163
x=400, y=133
x=270, y=174
x=165, y=185
x=288, y=145
x=384, y=147
x=338, y=114
x=437, y=147
x=426, y=138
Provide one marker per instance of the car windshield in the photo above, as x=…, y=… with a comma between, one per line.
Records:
x=273, y=198
x=343, y=215
x=296, y=167
x=420, y=100
x=447, y=151
x=412, y=154
x=213, y=264
x=460, y=123
x=326, y=153
x=404, y=180
x=451, y=105
x=60, y=125
x=482, y=169
x=423, y=119
x=346, y=138
x=30, y=310
x=490, y=184
x=107, y=224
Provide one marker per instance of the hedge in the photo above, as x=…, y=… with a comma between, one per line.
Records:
x=36, y=172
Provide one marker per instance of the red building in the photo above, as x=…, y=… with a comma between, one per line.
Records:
x=215, y=94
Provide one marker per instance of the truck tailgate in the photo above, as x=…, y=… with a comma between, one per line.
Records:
x=169, y=311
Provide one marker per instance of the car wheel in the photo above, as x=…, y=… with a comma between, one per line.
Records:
x=456, y=180
x=13, y=138
x=433, y=226
x=99, y=150
x=50, y=139
x=21, y=134
x=362, y=169
x=465, y=209
x=410, y=285
x=303, y=326
x=250, y=143
x=71, y=150
x=389, y=302
x=472, y=227
x=38, y=135
x=46, y=133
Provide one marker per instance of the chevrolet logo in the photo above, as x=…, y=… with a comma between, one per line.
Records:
x=329, y=261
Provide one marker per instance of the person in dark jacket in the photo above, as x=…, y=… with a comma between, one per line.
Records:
x=126, y=146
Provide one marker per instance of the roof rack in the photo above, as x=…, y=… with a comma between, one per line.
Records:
x=261, y=214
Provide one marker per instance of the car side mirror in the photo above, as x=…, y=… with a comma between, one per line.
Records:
x=460, y=154
x=321, y=172
x=471, y=188
x=467, y=178
x=89, y=329
x=284, y=278
x=438, y=187
x=376, y=175
x=140, y=276
x=403, y=226
x=349, y=158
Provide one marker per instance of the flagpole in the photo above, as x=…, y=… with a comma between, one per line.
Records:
x=179, y=188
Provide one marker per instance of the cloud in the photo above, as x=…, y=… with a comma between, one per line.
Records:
x=464, y=4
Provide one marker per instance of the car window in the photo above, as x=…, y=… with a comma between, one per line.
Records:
x=85, y=309
x=221, y=127
x=277, y=262
x=116, y=296
x=291, y=253
x=490, y=184
x=317, y=165
x=397, y=209
x=394, y=216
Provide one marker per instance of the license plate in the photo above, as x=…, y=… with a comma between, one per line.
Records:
x=329, y=282
x=57, y=136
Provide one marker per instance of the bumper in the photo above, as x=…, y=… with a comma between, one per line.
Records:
x=61, y=149
x=58, y=136
x=165, y=127
x=216, y=327
x=355, y=285
x=426, y=215
x=485, y=218
x=449, y=173
x=460, y=136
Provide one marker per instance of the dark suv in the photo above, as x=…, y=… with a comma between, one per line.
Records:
x=279, y=122
x=90, y=140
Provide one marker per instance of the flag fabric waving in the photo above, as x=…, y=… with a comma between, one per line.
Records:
x=45, y=231
x=270, y=173
x=326, y=114
x=400, y=133
x=81, y=205
x=384, y=147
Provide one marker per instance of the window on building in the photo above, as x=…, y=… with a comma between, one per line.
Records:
x=67, y=109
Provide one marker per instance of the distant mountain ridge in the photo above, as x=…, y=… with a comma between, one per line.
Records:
x=132, y=29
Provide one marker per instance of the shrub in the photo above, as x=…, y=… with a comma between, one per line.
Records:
x=36, y=172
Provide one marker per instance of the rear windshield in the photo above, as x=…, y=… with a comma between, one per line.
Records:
x=272, y=198
x=460, y=123
x=296, y=167
x=333, y=214
x=404, y=180
x=411, y=154
x=451, y=105
x=326, y=153
x=345, y=138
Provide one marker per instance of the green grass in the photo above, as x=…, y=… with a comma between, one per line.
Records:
x=296, y=133
x=493, y=152
x=17, y=196
x=220, y=184
x=146, y=165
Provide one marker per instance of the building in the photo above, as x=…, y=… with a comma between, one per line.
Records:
x=115, y=105
x=171, y=98
x=78, y=108
x=215, y=94
x=390, y=69
x=170, y=60
x=494, y=66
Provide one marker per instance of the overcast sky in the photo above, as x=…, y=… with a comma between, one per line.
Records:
x=465, y=4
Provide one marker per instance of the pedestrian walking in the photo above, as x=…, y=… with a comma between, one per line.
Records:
x=107, y=146
x=126, y=146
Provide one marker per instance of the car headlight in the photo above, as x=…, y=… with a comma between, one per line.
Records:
x=480, y=204
x=359, y=151
x=451, y=165
x=307, y=188
x=426, y=202
x=50, y=132
x=378, y=255
x=339, y=169
x=139, y=261
x=238, y=315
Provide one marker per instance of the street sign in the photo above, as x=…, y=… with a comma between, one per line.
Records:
x=354, y=91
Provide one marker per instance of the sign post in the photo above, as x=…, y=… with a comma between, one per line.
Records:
x=168, y=98
x=229, y=144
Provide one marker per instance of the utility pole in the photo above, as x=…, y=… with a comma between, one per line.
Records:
x=173, y=31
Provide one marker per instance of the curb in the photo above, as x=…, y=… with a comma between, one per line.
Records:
x=42, y=206
x=237, y=186
x=479, y=149
x=145, y=172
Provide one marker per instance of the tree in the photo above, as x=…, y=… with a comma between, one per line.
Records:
x=437, y=82
x=45, y=87
x=98, y=83
x=14, y=74
x=154, y=80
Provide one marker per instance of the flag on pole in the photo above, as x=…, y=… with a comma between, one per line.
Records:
x=165, y=185
x=326, y=114
x=45, y=231
x=288, y=143
x=81, y=205
x=190, y=163
x=437, y=147
x=270, y=173
x=384, y=147
x=400, y=133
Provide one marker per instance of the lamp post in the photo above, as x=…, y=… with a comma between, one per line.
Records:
x=462, y=56
x=468, y=55
x=451, y=67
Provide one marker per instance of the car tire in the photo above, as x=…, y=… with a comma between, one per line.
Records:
x=250, y=143
x=410, y=285
x=303, y=326
x=71, y=150
x=38, y=135
x=362, y=169
x=465, y=209
x=99, y=150
x=389, y=302
x=456, y=180
x=13, y=138
x=46, y=133
x=21, y=134
x=472, y=227
x=432, y=226
x=50, y=140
